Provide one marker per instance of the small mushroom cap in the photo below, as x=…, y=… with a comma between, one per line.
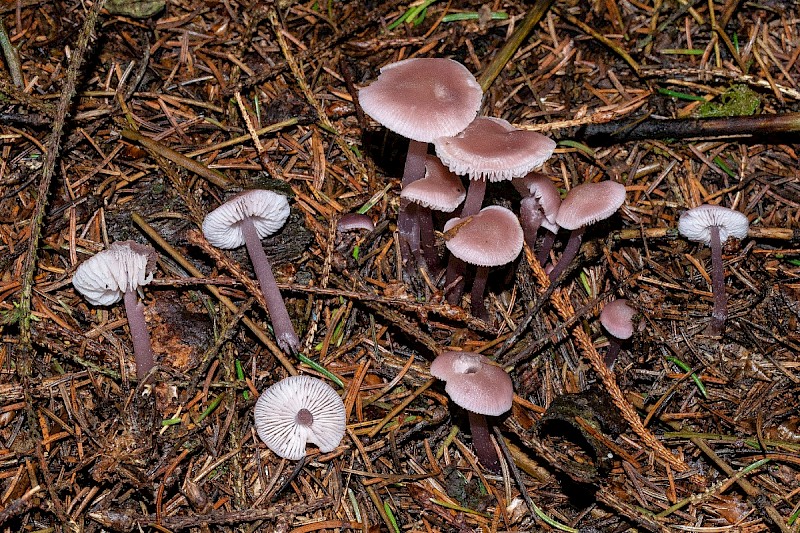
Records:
x=423, y=98
x=124, y=266
x=440, y=189
x=492, y=237
x=474, y=383
x=268, y=211
x=617, y=318
x=589, y=202
x=491, y=148
x=355, y=221
x=540, y=186
x=695, y=224
x=276, y=416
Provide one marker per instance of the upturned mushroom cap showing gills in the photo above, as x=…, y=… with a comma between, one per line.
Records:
x=473, y=383
x=695, y=224
x=590, y=202
x=298, y=410
x=423, y=98
x=267, y=210
x=493, y=237
x=125, y=266
x=491, y=148
x=440, y=189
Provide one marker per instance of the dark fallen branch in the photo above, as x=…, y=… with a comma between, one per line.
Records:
x=643, y=128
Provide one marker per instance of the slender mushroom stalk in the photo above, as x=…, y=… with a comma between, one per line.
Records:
x=281, y=323
x=246, y=219
x=481, y=388
x=713, y=225
x=117, y=273
x=585, y=204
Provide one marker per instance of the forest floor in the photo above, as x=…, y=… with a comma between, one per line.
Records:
x=127, y=125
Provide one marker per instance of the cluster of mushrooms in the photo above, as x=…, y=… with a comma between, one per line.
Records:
x=429, y=101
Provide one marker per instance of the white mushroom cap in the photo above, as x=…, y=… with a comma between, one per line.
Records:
x=491, y=148
x=474, y=383
x=268, y=211
x=104, y=278
x=695, y=224
x=492, y=237
x=423, y=98
x=298, y=410
x=617, y=318
x=589, y=202
x=440, y=189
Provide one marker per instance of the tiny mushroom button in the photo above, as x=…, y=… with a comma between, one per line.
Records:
x=246, y=219
x=617, y=318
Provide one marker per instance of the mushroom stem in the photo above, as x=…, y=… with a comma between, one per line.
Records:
x=142, y=348
x=482, y=442
x=614, y=344
x=720, y=311
x=547, y=244
x=454, y=280
x=478, y=290
x=474, y=200
x=531, y=216
x=427, y=238
x=281, y=323
x=570, y=251
x=414, y=169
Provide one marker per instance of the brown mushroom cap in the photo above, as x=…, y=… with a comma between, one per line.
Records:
x=492, y=237
x=440, y=189
x=589, y=202
x=617, y=318
x=695, y=224
x=423, y=98
x=491, y=148
x=297, y=410
x=474, y=383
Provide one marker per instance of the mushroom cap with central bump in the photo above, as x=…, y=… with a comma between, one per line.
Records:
x=473, y=383
x=105, y=277
x=617, y=318
x=267, y=210
x=492, y=237
x=440, y=189
x=590, y=202
x=423, y=98
x=695, y=224
x=491, y=148
x=298, y=410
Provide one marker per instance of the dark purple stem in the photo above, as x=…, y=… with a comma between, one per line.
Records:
x=478, y=290
x=142, y=348
x=530, y=216
x=720, y=312
x=570, y=251
x=614, y=344
x=407, y=225
x=482, y=443
x=547, y=245
x=454, y=280
x=427, y=238
x=281, y=323
x=474, y=199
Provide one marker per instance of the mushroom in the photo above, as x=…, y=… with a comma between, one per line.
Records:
x=491, y=238
x=355, y=222
x=421, y=99
x=617, y=318
x=298, y=410
x=118, y=273
x=488, y=149
x=245, y=219
x=481, y=388
x=584, y=205
x=440, y=190
x=712, y=225
x=538, y=208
